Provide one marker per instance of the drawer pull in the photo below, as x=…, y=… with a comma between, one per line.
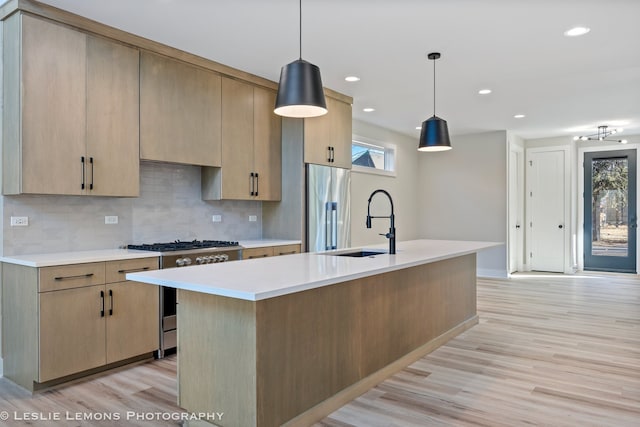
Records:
x=79, y=276
x=110, y=302
x=288, y=253
x=258, y=256
x=133, y=270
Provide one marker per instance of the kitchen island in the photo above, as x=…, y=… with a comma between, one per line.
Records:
x=287, y=340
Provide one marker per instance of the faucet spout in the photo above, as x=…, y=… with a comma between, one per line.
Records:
x=391, y=235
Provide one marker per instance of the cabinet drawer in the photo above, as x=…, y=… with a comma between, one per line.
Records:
x=117, y=270
x=286, y=250
x=70, y=276
x=257, y=252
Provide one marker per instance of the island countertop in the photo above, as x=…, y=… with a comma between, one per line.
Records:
x=263, y=278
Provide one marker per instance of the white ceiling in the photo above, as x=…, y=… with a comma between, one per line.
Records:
x=514, y=47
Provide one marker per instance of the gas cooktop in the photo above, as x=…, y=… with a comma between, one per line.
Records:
x=178, y=245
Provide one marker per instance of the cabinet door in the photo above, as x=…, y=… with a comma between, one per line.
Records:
x=331, y=130
x=112, y=119
x=53, y=108
x=341, y=133
x=237, y=140
x=72, y=331
x=132, y=320
x=317, y=137
x=179, y=112
x=267, y=145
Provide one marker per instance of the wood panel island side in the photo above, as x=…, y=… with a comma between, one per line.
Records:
x=287, y=340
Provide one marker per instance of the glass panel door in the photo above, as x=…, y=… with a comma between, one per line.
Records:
x=610, y=211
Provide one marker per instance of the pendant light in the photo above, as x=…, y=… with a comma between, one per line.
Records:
x=300, y=92
x=434, y=135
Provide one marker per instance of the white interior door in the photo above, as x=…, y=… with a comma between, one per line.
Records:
x=516, y=211
x=546, y=185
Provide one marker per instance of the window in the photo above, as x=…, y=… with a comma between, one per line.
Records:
x=372, y=156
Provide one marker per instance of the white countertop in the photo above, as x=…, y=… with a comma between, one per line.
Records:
x=249, y=244
x=263, y=278
x=79, y=257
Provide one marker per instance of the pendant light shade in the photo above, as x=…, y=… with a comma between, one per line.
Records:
x=300, y=92
x=434, y=135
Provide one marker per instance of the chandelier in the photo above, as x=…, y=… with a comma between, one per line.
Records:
x=603, y=134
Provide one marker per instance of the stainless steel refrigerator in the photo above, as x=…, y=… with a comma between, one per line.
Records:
x=328, y=209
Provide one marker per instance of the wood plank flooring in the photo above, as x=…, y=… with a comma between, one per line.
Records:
x=549, y=350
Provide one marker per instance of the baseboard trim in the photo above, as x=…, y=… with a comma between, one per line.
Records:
x=492, y=273
x=345, y=396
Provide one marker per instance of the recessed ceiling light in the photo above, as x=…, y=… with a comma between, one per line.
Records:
x=368, y=109
x=352, y=78
x=484, y=91
x=576, y=31
x=519, y=116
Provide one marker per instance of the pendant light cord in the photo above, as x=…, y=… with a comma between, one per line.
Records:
x=300, y=33
x=434, y=88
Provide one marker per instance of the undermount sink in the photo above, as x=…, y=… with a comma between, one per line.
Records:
x=361, y=253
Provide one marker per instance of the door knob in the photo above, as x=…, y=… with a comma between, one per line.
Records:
x=518, y=226
x=560, y=226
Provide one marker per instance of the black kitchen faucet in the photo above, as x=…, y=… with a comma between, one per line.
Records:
x=391, y=235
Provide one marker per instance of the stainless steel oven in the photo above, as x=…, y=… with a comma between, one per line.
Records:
x=179, y=255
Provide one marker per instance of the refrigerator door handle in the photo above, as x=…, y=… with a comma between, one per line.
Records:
x=334, y=225
x=327, y=226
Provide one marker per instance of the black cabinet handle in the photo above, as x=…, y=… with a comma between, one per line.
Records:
x=110, y=302
x=257, y=183
x=73, y=277
x=258, y=256
x=560, y=226
x=92, y=174
x=252, y=183
x=329, y=154
x=132, y=270
x=288, y=253
x=83, y=172
x=333, y=154
x=102, y=307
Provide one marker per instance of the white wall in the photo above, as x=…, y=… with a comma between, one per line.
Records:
x=463, y=195
x=403, y=189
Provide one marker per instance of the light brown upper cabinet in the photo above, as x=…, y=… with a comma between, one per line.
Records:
x=113, y=99
x=180, y=112
x=251, y=146
x=73, y=129
x=327, y=139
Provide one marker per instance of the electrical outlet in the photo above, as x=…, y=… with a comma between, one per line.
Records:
x=19, y=221
x=111, y=219
x=253, y=218
x=217, y=218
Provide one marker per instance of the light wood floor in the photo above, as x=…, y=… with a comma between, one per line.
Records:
x=549, y=350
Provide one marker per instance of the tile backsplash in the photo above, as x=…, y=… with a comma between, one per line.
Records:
x=169, y=208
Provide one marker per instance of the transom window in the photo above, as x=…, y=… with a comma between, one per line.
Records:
x=372, y=157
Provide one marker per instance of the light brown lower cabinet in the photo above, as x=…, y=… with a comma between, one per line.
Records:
x=132, y=320
x=72, y=332
x=65, y=320
x=268, y=251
